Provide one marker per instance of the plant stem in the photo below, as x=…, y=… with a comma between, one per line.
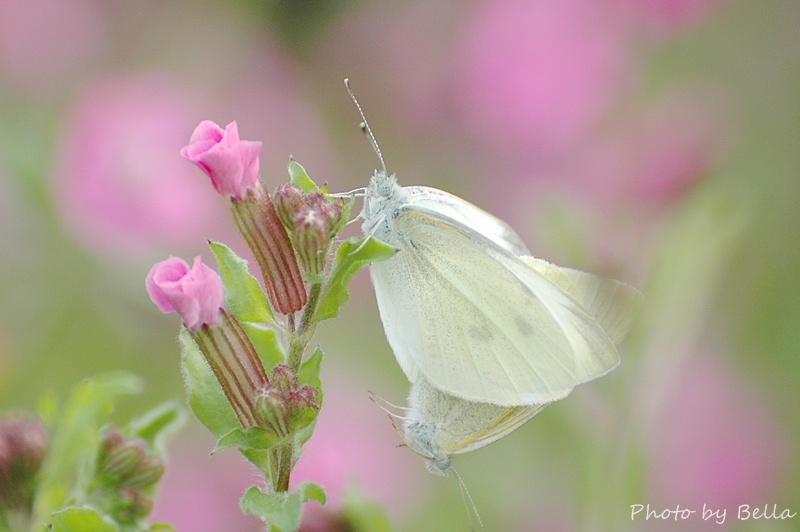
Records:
x=298, y=340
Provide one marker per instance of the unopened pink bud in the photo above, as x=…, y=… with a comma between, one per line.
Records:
x=283, y=378
x=149, y=471
x=273, y=411
x=119, y=457
x=312, y=238
x=196, y=294
x=131, y=505
x=283, y=400
x=289, y=200
x=329, y=209
x=23, y=445
x=231, y=163
x=304, y=397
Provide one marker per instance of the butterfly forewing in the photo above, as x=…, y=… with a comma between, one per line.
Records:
x=478, y=321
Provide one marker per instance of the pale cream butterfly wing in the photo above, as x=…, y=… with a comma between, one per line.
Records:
x=476, y=320
x=613, y=304
x=438, y=425
x=458, y=210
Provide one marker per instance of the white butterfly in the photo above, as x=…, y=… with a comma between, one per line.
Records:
x=462, y=308
x=476, y=323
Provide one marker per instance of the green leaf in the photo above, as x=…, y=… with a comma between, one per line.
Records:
x=206, y=398
x=311, y=491
x=309, y=371
x=351, y=256
x=266, y=343
x=154, y=426
x=243, y=295
x=75, y=440
x=299, y=177
x=255, y=438
x=259, y=458
x=281, y=510
x=81, y=519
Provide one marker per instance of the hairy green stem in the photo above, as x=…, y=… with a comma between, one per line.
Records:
x=283, y=455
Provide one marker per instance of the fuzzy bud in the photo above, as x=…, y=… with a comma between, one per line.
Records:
x=289, y=200
x=125, y=462
x=280, y=403
x=119, y=457
x=23, y=446
x=273, y=411
x=331, y=210
x=131, y=505
x=312, y=237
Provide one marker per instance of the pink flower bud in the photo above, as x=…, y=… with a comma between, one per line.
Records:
x=281, y=402
x=289, y=200
x=312, y=238
x=131, y=505
x=273, y=411
x=231, y=163
x=284, y=379
x=196, y=294
x=124, y=462
x=329, y=209
x=23, y=445
x=304, y=397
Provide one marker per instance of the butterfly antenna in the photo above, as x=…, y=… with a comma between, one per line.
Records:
x=386, y=406
x=465, y=496
x=365, y=125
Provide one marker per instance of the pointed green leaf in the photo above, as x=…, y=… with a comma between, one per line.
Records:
x=80, y=519
x=154, y=426
x=311, y=491
x=351, y=256
x=309, y=371
x=259, y=458
x=243, y=295
x=206, y=398
x=255, y=438
x=281, y=510
x=299, y=177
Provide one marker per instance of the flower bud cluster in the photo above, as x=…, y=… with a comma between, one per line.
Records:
x=131, y=472
x=281, y=404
